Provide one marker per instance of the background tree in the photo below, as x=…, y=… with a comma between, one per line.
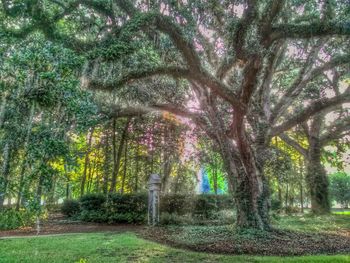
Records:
x=340, y=188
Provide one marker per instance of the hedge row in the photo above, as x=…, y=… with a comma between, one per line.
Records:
x=132, y=208
x=199, y=205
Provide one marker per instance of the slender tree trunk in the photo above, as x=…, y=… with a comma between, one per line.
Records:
x=301, y=186
x=4, y=181
x=2, y=108
x=215, y=179
x=137, y=170
x=106, y=163
x=25, y=161
x=118, y=156
x=125, y=164
x=87, y=160
x=39, y=190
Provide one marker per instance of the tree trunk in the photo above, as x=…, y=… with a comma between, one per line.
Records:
x=301, y=186
x=137, y=167
x=83, y=180
x=316, y=176
x=125, y=165
x=249, y=186
x=106, y=164
x=215, y=179
x=317, y=180
x=4, y=181
x=117, y=156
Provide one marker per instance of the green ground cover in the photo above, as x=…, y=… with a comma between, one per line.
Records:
x=125, y=247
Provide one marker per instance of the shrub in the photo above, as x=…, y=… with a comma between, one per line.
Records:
x=176, y=204
x=117, y=208
x=291, y=210
x=128, y=203
x=54, y=208
x=276, y=204
x=175, y=209
x=205, y=206
x=93, y=216
x=93, y=202
x=12, y=219
x=175, y=219
x=70, y=207
x=127, y=208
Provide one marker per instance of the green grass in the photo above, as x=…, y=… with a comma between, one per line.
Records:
x=126, y=247
x=310, y=223
x=342, y=213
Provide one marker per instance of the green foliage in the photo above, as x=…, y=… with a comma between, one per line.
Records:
x=276, y=204
x=70, y=207
x=117, y=208
x=127, y=203
x=176, y=204
x=200, y=207
x=340, y=188
x=12, y=219
x=93, y=202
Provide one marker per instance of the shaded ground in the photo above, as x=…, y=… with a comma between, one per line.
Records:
x=292, y=236
x=58, y=224
x=278, y=243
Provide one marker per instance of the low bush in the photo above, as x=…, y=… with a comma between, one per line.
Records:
x=115, y=208
x=291, y=210
x=201, y=206
x=70, y=207
x=93, y=216
x=276, y=204
x=93, y=202
x=175, y=219
x=54, y=208
x=132, y=208
x=205, y=206
x=176, y=204
x=12, y=219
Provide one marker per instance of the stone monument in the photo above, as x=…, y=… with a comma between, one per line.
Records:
x=154, y=185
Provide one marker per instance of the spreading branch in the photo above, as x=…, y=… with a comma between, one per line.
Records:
x=302, y=80
x=316, y=29
x=336, y=130
x=315, y=107
x=293, y=143
x=175, y=72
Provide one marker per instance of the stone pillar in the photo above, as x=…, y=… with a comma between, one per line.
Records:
x=154, y=185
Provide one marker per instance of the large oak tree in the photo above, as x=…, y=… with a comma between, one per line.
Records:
x=231, y=59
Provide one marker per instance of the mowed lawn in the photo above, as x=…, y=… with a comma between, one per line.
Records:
x=122, y=247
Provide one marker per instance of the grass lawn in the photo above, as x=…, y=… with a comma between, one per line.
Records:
x=342, y=213
x=310, y=223
x=125, y=247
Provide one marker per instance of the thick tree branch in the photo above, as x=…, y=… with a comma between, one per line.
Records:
x=175, y=72
x=315, y=107
x=236, y=50
x=293, y=143
x=316, y=29
x=336, y=130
